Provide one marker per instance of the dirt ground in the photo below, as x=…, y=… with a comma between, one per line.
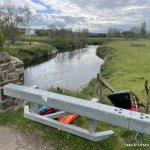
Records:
x=12, y=139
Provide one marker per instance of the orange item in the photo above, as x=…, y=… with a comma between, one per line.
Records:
x=68, y=119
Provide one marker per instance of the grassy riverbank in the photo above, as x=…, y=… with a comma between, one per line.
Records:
x=29, y=48
x=62, y=44
x=66, y=44
x=28, y=52
x=126, y=68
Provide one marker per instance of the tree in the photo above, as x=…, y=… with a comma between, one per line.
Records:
x=51, y=29
x=28, y=19
x=143, y=30
x=135, y=32
x=12, y=19
x=114, y=33
x=128, y=34
x=2, y=39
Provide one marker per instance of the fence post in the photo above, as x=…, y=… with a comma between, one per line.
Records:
x=101, y=92
x=147, y=89
x=148, y=102
x=101, y=88
x=146, y=86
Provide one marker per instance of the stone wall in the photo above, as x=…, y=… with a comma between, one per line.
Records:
x=11, y=71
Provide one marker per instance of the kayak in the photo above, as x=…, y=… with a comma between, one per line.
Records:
x=121, y=99
x=44, y=110
x=68, y=119
x=126, y=100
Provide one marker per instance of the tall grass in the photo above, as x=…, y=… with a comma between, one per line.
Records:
x=27, y=52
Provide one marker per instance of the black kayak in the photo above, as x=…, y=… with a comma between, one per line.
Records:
x=123, y=99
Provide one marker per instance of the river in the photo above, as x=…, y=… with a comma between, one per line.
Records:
x=70, y=70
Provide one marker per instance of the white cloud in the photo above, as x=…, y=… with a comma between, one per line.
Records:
x=93, y=14
x=102, y=12
x=33, y=11
x=32, y=5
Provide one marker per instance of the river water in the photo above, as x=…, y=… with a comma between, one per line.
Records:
x=70, y=70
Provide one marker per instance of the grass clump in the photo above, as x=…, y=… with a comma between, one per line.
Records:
x=67, y=45
x=104, y=52
x=97, y=41
x=27, y=52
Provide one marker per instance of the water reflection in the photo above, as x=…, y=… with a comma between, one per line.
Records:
x=68, y=70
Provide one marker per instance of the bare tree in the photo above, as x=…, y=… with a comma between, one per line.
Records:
x=13, y=19
x=28, y=19
x=143, y=30
x=10, y=21
x=114, y=33
x=52, y=29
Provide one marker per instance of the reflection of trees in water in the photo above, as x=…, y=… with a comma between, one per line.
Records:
x=60, y=57
x=67, y=84
x=81, y=53
x=70, y=55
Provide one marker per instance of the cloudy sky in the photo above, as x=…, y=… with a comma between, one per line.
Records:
x=97, y=15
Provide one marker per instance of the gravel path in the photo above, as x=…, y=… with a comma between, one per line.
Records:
x=12, y=139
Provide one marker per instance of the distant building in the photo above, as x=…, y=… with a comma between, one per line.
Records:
x=30, y=32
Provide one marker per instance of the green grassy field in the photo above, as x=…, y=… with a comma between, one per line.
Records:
x=129, y=66
x=126, y=68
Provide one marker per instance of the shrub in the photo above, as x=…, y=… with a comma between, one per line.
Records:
x=104, y=52
x=67, y=45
